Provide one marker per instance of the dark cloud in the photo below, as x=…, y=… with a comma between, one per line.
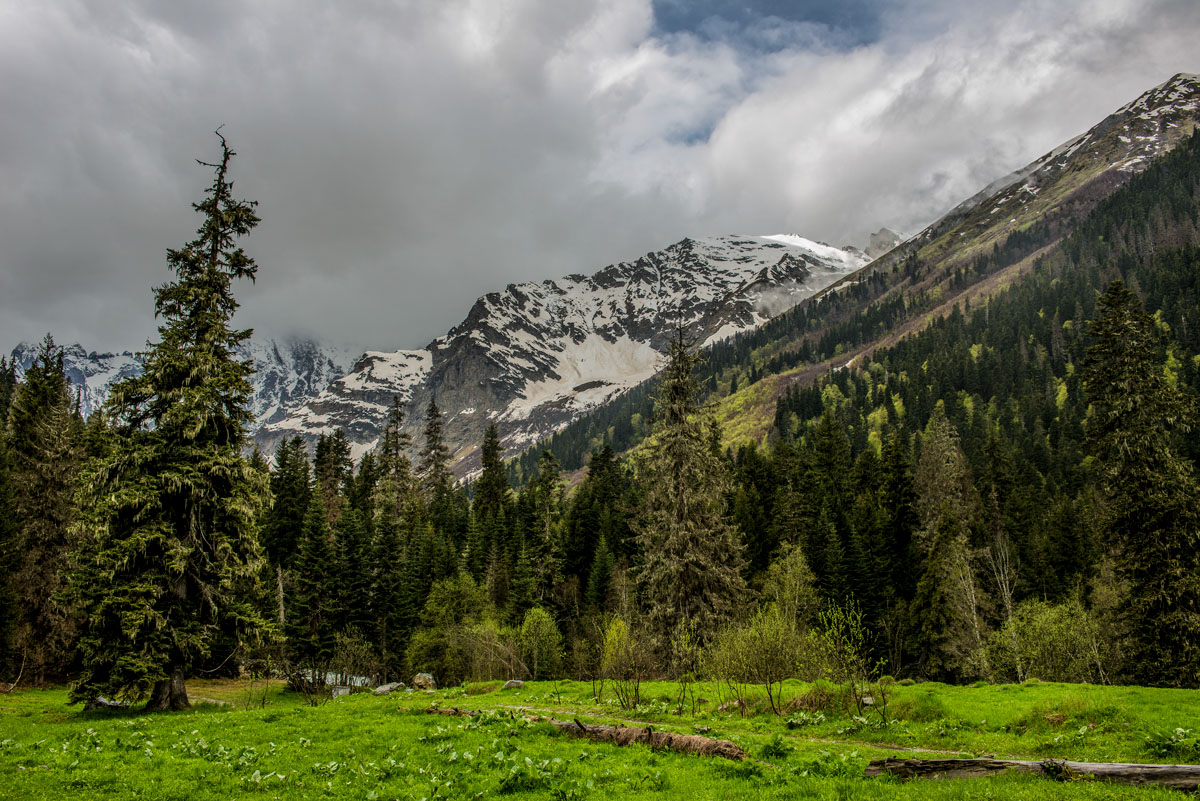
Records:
x=408, y=157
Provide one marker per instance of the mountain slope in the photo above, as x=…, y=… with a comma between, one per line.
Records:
x=1067, y=181
x=535, y=356
x=977, y=249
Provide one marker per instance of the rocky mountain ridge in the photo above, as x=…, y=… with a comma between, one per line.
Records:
x=287, y=372
x=1066, y=181
x=534, y=356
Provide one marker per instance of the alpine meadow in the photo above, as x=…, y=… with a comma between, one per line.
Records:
x=746, y=517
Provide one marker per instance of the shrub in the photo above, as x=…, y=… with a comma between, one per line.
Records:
x=540, y=644
x=490, y=650
x=1070, y=712
x=354, y=659
x=767, y=651
x=625, y=661
x=1052, y=642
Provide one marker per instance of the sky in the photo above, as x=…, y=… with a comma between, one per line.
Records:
x=408, y=157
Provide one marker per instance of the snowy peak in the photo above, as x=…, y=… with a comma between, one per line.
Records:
x=1125, y=140
x=356, y=401
x=1177, y=95
x=287, y=372
x=536, y=355
x=91, y=374
x=1067, y=181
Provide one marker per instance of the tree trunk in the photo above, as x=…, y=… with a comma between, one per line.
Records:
x=279, y=594
x=623, y=735
x=170, y=693
x=1181, y=777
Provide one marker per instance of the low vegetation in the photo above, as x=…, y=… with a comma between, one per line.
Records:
x=255, y=740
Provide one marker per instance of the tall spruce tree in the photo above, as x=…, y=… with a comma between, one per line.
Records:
x=332, y=469
x=1153, y=511
x=692, y=559
x=493, y=508
x=947, y=596
x=395, y=493
x=171, y=540
x=8, y=557
x=314, y=608
x=8, y=385
x=291, y=488
x=545, y=497
x=42, y=440
x=435, y=476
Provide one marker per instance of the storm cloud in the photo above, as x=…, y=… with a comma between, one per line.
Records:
x=410, y=156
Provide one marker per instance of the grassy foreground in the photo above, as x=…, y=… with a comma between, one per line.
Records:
x=257, y=741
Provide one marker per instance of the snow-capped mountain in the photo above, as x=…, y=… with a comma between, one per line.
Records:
x=1070, y=179
x=90, y=374
x=287, y=372
x=533, y=357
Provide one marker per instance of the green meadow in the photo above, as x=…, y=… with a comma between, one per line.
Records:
x=248, y=740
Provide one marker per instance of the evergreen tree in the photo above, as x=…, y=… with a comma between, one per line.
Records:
x=947, y=598
x=492, y=492
x=1153, y=511
x=448, y=508
x=523, y=592
x=8, y=556
x=941, y=616
x=388, y=605
x=598, y=509
x=332, y=469
x=600, y=577
x=42, y=442
x=546, y=498
x=361, y=488
x=313, y=611
x=692, y=559
x=291, y=489
x=395, y=490
x=171, y=536
x=435, y=476
x=8, y=385
x=353, y=584
x=493, y=511
x=898, y=500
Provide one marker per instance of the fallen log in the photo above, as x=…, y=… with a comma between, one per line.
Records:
x=622, y=735
x=1181, y=777
x=628, y=735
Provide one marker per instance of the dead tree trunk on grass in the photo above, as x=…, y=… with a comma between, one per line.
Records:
x=629, y=735
x=1181, y=777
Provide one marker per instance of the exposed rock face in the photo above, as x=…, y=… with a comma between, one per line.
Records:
x=882, y=241
x=513, y=684
x=535, y=356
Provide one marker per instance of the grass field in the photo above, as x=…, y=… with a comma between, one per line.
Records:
x=259, y=741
